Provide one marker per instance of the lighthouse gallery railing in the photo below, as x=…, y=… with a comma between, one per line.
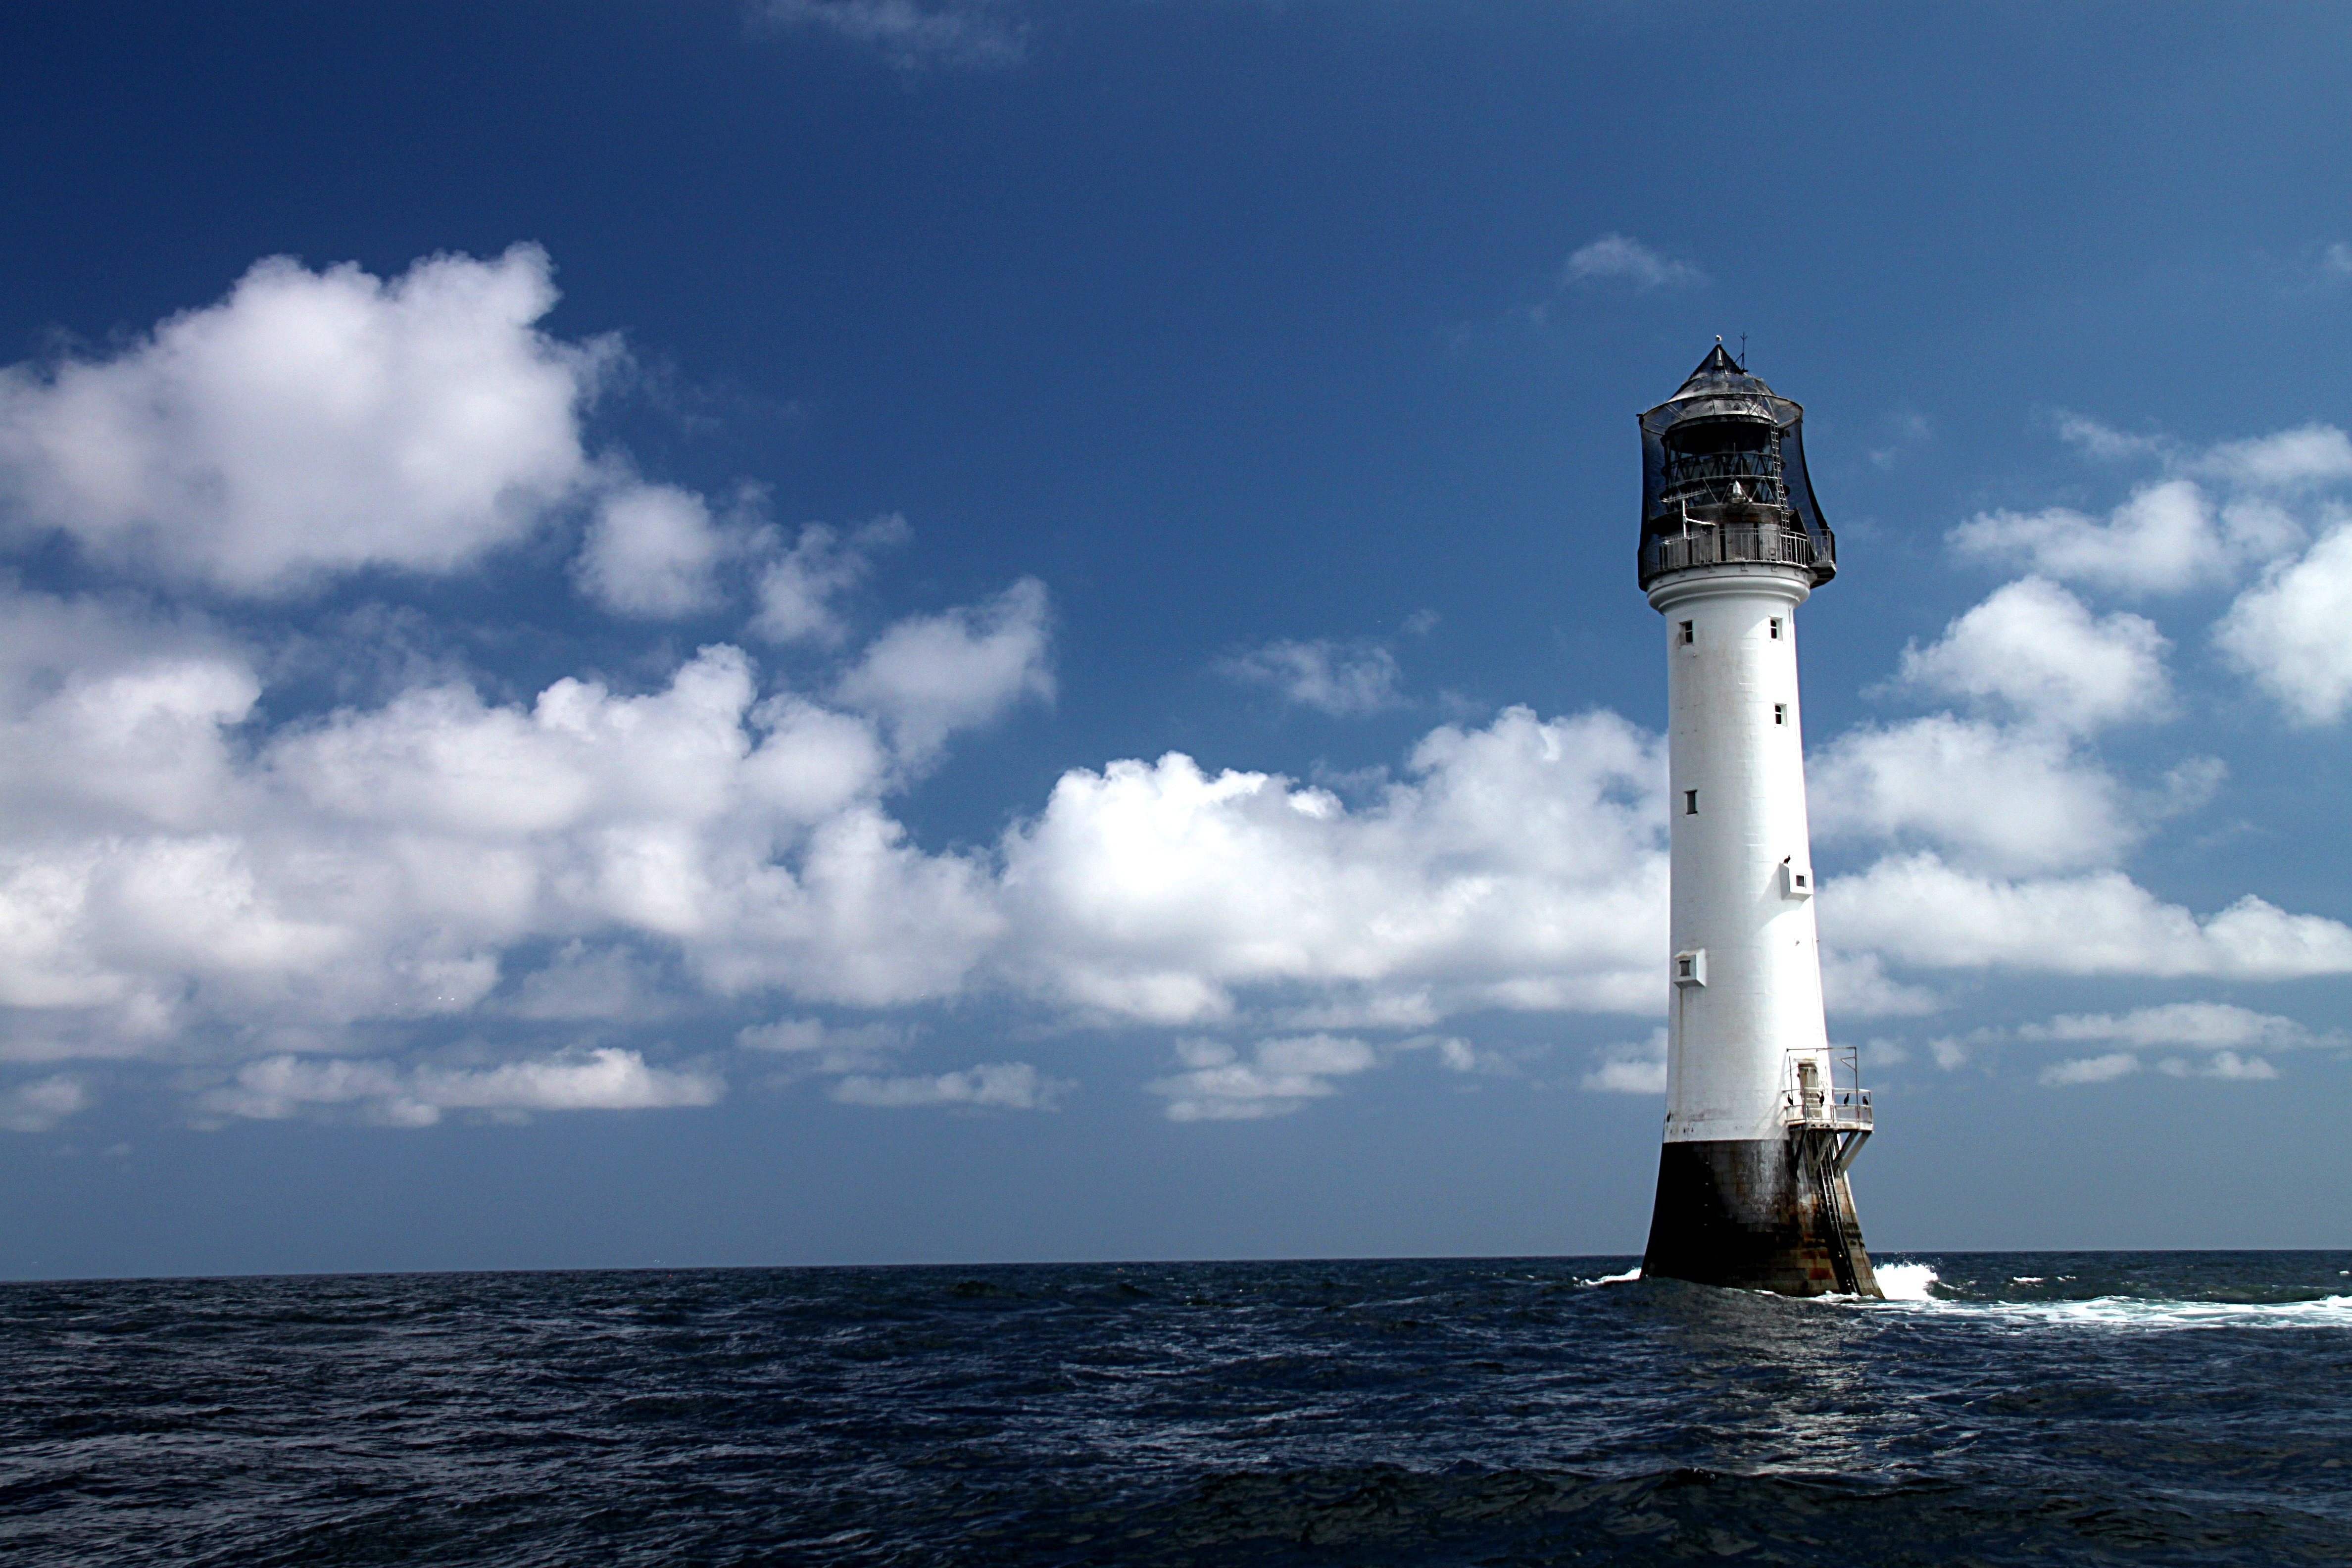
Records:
x=1721, y=544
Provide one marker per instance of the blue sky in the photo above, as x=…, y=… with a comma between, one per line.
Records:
x=919, y=629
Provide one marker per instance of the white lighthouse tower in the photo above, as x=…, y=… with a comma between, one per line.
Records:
x=1761, y=1122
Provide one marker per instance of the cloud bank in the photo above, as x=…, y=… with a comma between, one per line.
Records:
x=294, y=901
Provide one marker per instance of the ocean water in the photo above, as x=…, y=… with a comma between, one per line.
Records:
x=2043, y=1408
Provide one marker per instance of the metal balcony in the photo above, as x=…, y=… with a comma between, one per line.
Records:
x=1762, y=542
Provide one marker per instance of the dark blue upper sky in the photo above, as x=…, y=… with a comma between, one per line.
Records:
x=1291, y=351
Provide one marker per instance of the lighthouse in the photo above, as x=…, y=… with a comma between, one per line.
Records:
x=1763, y=1119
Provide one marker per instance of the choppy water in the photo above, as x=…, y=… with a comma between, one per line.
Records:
x=2017, y=1408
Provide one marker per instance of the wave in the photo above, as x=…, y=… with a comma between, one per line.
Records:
x=1913, y=1286
x=1907, y=1281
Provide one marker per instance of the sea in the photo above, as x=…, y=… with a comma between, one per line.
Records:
x=2000, y=1408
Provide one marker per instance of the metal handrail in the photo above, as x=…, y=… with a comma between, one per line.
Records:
x=1847, y=1109
x=1821, y=1101
x=1721, y=544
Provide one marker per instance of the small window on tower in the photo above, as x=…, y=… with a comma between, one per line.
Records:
x=1690, y=635
x=1690, y=803
x=1780, y=712
x=1776, y=628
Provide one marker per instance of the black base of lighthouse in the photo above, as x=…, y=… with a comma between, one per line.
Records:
x=1774, y=1214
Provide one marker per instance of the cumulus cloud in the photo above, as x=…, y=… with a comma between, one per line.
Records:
x=2090, y=1070
x=1282, y=1076
x=1856, y=985
x=912, y=35
x=2308, y=456
x=1631, y=1068
x=185, y=873
x=2164, y=539
x=1000, y=1086
x=1621, y=256
x=653, y=551
x=610, y=982
x=377, y=862
x=312, y=423
x=1521, y=865
x=273, y=1088
x=41, y=1103
x=1917, y=910
x=2287, y=631
x=1997, y=797
x=2236, y=505
x=1344, y=679
x=931, y=675
x=2037, y=650
x=799, y=590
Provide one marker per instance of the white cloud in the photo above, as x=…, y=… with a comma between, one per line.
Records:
x=1285, y=1073
x=40, y=1104
x=912, y=34
x=797, y=590
x=1520, y=866
x=376, y=863
x=1343, y=679
x=2036, y=649
x=1917, y=910
x=2164, y=540
x=1631, y=1068
x=2000, y=798
x=611, y=982
x=784, y=1034
x=1000, y=1086
x=2306, y=455
x=2106, y=443
x=2227, y=1065
x=1856, y=985
x=2091, y=1070
x=1458, y=1054
x=652, y=550
x=1618, y=256
x=273, y=1088
x=931, y=675
x=2208, y=1026
x=2287, y=632
x=814, y=1045
x=312, y=423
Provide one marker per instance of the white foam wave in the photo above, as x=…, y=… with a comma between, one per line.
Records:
x=2137, y=1312
x=1907, y=1284
x=1627, y=1277
x=1907, y=1281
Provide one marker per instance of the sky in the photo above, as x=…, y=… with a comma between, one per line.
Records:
x=753, y=632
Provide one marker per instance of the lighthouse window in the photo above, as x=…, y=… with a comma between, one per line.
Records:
x=1690, y=636
x=1776, y=628
x=1780, y=712
x=1690, y=803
